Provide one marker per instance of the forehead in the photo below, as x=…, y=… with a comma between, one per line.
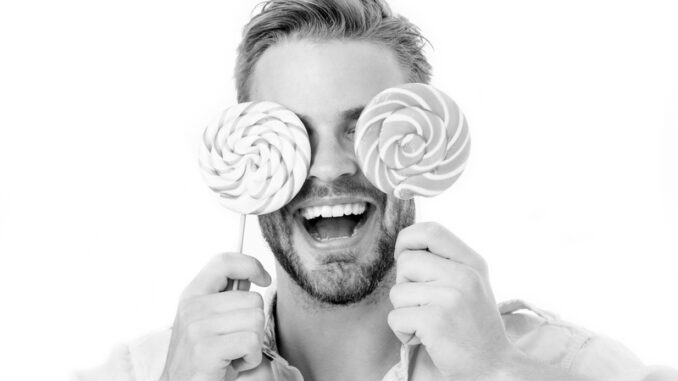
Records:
x=321, y=78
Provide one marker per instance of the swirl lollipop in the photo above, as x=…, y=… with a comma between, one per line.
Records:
x=256, y=158
x=412, y=140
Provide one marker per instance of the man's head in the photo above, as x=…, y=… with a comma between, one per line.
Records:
x=325, y=60
x=330, y=20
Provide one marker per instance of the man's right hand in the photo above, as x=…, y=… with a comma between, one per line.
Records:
x=217, y=334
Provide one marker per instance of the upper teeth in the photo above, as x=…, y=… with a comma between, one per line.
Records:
x=333, y=210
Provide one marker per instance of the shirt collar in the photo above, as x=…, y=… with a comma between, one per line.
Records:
x=399, y=372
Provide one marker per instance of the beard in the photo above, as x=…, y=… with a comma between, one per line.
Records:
x=346, y=278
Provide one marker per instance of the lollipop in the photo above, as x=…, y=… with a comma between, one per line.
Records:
x=412, y=140
x=256, y=158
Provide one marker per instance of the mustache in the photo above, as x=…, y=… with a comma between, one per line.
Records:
x=342, y=186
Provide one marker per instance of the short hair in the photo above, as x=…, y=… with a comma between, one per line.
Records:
x=361, y=20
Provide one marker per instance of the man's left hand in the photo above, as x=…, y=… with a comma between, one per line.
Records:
x=443, y=299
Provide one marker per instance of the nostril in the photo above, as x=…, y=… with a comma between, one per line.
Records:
x=332, y=161
x=329, y=168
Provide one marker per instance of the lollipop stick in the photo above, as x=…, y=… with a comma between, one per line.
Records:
x=241, y=239
x=236, y=282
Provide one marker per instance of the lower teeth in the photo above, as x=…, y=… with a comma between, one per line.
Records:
x=313, y=232
x=317, y=236
x=331, y=238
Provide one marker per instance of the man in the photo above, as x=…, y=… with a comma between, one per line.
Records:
x=373, y=296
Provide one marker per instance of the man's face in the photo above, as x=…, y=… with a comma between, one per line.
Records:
x=336, y=237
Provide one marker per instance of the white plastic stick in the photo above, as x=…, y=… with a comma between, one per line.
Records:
x=241, y=237
x=241, y=241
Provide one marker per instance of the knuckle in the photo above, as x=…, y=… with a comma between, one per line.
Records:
x=255, y=299
x=251, y=360
x=227, y=257
x=257, y=317
x=256, y=358
x=259, y=265
x=250, y=261
x=396, y=295
x=393, y=293
x=482, y=265
x=230, y=260
x=434, y=228
x=391, y=319
x=402, y=235
x=402, y=267
x=251, y=341
x=399, y=265
x=405, y=258
x=244, y=263
x=222, y=260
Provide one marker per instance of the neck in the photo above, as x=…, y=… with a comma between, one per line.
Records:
x=332, y=342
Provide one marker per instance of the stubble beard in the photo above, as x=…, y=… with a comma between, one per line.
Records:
x=342, y=279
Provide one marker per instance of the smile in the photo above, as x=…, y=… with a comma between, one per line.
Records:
x=334, y=222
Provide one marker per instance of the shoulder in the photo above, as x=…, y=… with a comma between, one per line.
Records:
x=139, y=360
x=542, y=334
x=545, y=337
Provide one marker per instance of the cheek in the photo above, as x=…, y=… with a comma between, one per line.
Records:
x=398, y=214
x=390, y=213
x=276, y=228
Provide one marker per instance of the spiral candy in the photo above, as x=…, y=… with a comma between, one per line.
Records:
x=412, y=140
x=255, y=157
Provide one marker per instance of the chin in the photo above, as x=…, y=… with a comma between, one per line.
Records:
x=343, y=275
x=338, y=250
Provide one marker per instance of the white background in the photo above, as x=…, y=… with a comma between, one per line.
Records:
x=570, y=193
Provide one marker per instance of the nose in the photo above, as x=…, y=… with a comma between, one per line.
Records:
x=332, y=157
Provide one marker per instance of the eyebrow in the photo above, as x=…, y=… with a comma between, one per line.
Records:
x=346, y=115
x=353, y=113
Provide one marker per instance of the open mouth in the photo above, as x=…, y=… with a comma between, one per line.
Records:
x=332, y=222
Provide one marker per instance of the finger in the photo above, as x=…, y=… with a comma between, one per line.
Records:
x=408, y=294
x=217, y=352
x=251, y=319
x=438, y=240
x=403, y=323
x=221, y=302
x=214, y=276
x=421, y=266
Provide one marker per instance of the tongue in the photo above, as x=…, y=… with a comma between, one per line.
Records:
x=334, y=227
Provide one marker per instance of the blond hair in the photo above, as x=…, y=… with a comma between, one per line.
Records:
x=363, y=20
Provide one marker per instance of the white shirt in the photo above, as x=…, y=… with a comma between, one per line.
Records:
x=539, y=334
